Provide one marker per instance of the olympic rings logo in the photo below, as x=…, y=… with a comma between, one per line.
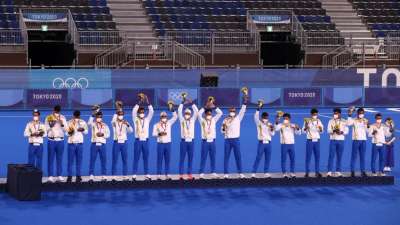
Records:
x=70, y=83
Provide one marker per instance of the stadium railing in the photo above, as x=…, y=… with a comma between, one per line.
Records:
x=392, y=44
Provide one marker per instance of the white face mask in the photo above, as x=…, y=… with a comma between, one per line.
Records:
x=335, y=116
x=208, y=117
x=57, y=114
x=264, y=120
x=361, y=116
x=379, y=121
x=314, y=117
x=285, y=121
x=35, y=118
x=164, y=120
x=120, y=117
x=98, y=120
x=232, y=114
x=187, y=116
x=141, y=115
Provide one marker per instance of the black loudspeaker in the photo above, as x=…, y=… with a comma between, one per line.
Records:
x=209, y=80
x=24, y=182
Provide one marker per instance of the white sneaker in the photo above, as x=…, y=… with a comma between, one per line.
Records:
x=51, y=179
x=285, y=175
x=148, y=177
x=103, y=178
x=168, y=177
x=389, y=169
x=226, y=176
x=158, y=177
x=60, y=179
x=329, y=174
x=339, y=174
x=125, y=178
x=91, y=178
x=374, y=174
x=293, y=175
x=242, y=176
x=380, y=174
x=134, y=177
x=215, y=175
x=267, y=175
x=202, y=176
x=385, y=169
x=253, y=175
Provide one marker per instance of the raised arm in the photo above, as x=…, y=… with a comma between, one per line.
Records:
x=200, y=115
x=180, y=109
x=173, y=119
x=242, y=112
x=195, y=112
x=151, y=112
x=219, y=114
x=134, y=112
x=257, y=117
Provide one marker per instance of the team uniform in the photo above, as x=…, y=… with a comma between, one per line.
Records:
x=287, y=132
x=164, y=143
x=55, y=145
x=75, y=144
x=378, y=149
x=35, y=149
x=389, y=159
x=336, y=144
x=187, y=138
x=231, y=131
x=141, y=145
x=121, y=129
x=98, y=146
x=264, y=136
x=313, y=129
x=359, y=144
x=208, y=135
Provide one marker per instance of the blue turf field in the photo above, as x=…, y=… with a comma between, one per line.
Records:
x=354, y=205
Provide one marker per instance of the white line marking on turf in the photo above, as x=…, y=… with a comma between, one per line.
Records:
x=370, y=110
x=393, y=109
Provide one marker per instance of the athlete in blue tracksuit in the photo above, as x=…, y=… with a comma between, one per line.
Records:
x=162, y=130
x=337, y=129
x=313, y=128
x=99, y=135
x=76, y=129
x=359, y=135
x=35, y=131
x=265, y=131
x=55, y=127
x=121, y=129
x=187, y=122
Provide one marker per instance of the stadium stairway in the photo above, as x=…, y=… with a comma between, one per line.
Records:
x=347, y=21
x=131, y=18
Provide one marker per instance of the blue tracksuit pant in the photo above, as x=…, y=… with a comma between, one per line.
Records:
x=35, y=155
x=232, y=144
x=287, y=149
x=55, y=151
x=141, y=148
x=102, y=152
x=336, y=147
x=186, y=148
x=75, y=152
x=312, y=148
x=263, y=149
x=163, y=154
x=120, y=149
x=377, y=150
x=207, y=148
x=358, y=150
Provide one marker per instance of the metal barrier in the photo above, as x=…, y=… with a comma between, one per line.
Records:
x=325, y=41
x=184, y=56
x=392, y=45
x=113, y=57
x=97, y=41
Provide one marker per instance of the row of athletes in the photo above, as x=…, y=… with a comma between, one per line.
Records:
x=56, y=127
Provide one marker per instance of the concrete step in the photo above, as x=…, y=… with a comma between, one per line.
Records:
x=128, y=13
x=346, y=8
x=346, y=20
x=125, y=6
x=356, y=34
x=135, y=27
x=136, y=20
x=345, y=24
x=351, y=27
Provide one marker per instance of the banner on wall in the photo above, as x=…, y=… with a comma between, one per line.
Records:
x=339, y=96
x=175, y=95
x=86, y=98
x=46, y=98
x=271, y=19
x=382, y=96
x=44, y=17
x=270, y=96
x=302, y=96
x=224, y=97
x=129, y=97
